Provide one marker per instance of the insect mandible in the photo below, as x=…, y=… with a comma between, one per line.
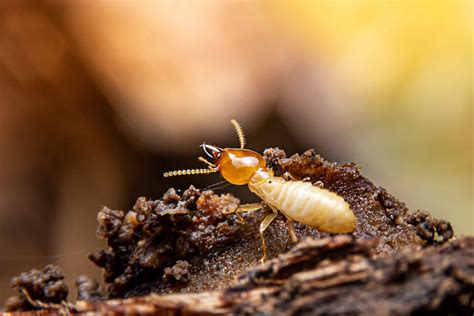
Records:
x=296, y=200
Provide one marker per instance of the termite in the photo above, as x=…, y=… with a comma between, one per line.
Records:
x=297, y=200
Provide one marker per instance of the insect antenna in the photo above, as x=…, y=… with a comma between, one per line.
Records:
x=186, y=172
x=240, y=133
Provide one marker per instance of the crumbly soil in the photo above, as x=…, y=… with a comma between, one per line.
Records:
x=193, y=242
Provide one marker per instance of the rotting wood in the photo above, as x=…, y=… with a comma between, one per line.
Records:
x=332, y=276
x=395, y=261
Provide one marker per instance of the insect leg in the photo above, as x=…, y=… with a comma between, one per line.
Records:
x=288, y=176
x=263, y=226
x=251, y=207
x=291, y=230
x=319, y=184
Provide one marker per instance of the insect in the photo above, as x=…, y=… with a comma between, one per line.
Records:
x=296, y=200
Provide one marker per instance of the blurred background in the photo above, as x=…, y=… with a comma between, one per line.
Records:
x=98, y=98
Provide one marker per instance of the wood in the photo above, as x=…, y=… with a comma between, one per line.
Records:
x=330, y=276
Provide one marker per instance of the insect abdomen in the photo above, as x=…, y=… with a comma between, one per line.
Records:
x=308, y=204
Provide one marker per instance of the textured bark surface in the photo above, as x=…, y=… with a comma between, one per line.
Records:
x=333, y=276
x=146, y=244
x=191, y=244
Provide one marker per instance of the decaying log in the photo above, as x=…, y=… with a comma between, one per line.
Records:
x=332, y=276
x=200, y=228
x=189, y=250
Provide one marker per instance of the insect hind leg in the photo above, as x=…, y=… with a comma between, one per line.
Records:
x=263, y=226
x=291, y=230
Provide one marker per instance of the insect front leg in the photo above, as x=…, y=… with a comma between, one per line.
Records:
x=251, y=207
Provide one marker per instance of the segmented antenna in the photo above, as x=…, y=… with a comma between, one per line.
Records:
x=240, y=133
x=186, y=172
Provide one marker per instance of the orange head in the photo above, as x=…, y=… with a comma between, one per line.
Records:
x=237, y=165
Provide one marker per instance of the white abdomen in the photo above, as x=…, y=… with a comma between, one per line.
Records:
x=307, y=204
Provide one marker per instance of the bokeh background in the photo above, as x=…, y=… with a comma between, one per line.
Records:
x=98, y=98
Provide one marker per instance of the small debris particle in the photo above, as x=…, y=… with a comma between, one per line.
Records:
x=179, y=272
